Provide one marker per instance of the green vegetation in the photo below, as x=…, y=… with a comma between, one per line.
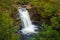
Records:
x=7, y=29
x=49, y=11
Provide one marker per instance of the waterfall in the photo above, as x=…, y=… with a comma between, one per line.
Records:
x=28, y=28
x=25, y=18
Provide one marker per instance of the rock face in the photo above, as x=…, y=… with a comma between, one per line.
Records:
x=35, y=17
x=28, y=6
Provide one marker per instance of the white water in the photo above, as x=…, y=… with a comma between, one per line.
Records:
x=26, y=22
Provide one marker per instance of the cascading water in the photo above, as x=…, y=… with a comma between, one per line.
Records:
x=27, y=27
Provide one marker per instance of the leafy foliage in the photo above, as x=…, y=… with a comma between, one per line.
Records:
x=48, y=9
x=7, y=29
